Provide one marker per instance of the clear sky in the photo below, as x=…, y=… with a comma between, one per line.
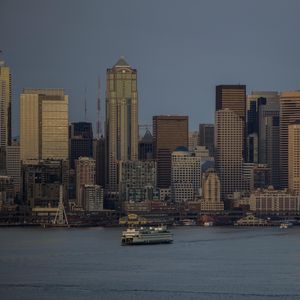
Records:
x=181, y=49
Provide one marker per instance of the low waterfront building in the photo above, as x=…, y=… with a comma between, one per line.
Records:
x=6, y=190
x=274, y=201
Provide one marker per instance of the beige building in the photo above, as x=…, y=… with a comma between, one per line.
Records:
x=294, y=157
x=85, y=175
x=289, y=113
x=43, y=124
x=270, y=200
x=229, y=132
x=211, y=192
x=121, y=118
x=5, y=105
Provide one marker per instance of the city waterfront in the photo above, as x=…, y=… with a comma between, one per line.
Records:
x=202, y=263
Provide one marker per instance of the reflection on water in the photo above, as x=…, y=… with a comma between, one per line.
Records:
x=202, y=263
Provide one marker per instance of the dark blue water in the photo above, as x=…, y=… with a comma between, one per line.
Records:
x=203, y=263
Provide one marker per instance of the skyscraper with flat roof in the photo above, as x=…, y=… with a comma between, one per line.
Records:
x=289, y=113
x=5, y=105
x=229, y=151
x=169, y=132
x=121, y=118
x=43, y=124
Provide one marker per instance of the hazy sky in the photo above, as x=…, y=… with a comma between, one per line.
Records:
x=181, y=49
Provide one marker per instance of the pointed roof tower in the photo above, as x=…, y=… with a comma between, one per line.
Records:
x=121, y=63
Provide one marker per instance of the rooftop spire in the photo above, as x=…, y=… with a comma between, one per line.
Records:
x=121, y=62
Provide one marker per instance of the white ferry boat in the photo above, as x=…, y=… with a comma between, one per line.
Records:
x=147, y=235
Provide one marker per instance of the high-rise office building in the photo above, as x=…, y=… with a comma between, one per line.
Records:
x=121, y=118
x=169, y=132
x=5, y=105
x=193, y=140
x=13, y=164
x=43, y=124
x=81, y=141
x=263, y=131
x=229, y=132
x=146, y=146
x=99, y=157
x=232, y=97
x=289, y=113
x=185, y=175
x=294, y=157
x=207, y=137
x=85, y=174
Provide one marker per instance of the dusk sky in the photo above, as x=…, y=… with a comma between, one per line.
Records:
x=181, y=49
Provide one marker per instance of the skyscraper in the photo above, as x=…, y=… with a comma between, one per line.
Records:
x=169, y=132
x=43, y=124
x=185, y=175
x=232, y=97
x=121, y=118
x=294, y=157
x=81, y=141
x=229, y=132
x=5, y=105
x=289, y=113
x=207, y=137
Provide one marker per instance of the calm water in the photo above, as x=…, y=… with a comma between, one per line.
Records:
x=203, y=263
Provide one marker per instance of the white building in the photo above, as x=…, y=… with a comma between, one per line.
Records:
x=185, y=175
x=270, y=200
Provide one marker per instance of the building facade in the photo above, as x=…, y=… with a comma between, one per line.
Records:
x=294, y=157
x=121, y=118
x=137, y=180
x=211, y=200
x=229, y=151
x=274, y=201
x=81, y=141
x=85, y=174
x=185, y=175
x=289, y=113
x=41, y=180
x=13, y=165
x=5, y=105
x=169, y=132
x=43, y=124
x=207, y=137
x=92, y=197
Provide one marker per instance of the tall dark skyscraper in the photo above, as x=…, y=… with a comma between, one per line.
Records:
x=146, y=146
x=81, y=141
x=263, y=131
x=207, y=137
x=99, y=157
x=169, y=132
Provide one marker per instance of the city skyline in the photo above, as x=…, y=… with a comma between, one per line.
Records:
x=189, y=46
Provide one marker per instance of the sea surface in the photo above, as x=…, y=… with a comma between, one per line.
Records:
x=202, y=263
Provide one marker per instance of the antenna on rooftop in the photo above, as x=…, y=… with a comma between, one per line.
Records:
x=85, y=105
x=99, y=127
